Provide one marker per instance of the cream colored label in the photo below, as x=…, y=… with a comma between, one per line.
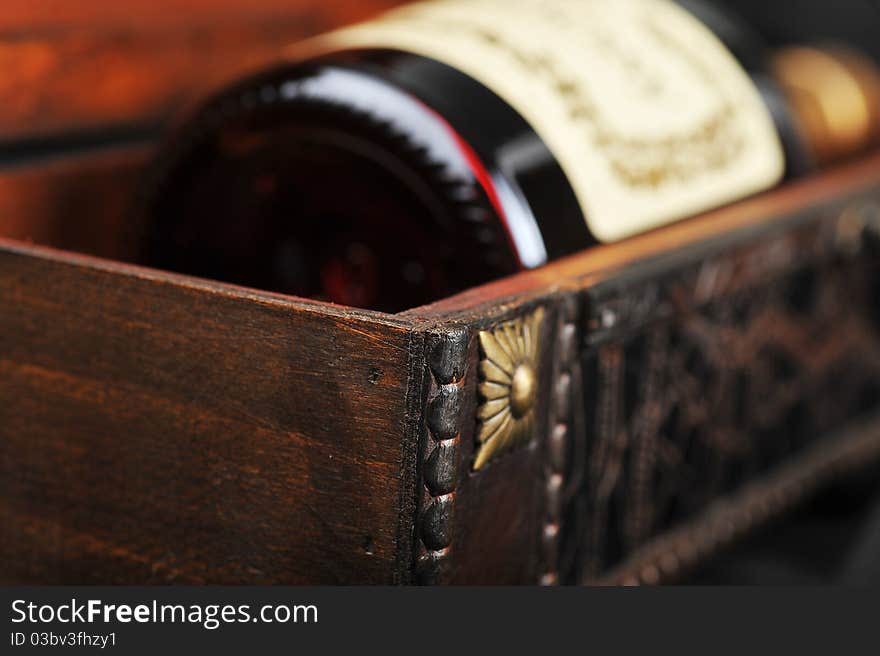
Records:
x=648, y=114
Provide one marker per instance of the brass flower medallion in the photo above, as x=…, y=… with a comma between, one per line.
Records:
x=508, y=385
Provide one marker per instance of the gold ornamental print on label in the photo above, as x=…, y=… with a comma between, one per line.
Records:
x=648, y=114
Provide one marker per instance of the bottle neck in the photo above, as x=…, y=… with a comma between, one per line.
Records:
x=834, y=94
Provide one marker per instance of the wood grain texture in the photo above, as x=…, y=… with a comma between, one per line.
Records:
x=162, y=431
x=19, y=14
x=72, y=66
x=77, y=202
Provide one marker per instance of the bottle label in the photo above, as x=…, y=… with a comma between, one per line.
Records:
x=648, y=114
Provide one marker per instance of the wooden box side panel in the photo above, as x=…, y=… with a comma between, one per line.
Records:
x=156, y=431
x=708, y=371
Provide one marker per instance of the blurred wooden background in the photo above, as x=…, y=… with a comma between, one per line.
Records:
x=87, y=86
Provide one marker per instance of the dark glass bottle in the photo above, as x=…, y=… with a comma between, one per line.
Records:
x=377, y=178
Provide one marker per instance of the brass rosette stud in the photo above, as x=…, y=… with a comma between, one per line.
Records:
x=508, y=386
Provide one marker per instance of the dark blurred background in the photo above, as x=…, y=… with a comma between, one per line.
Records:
x=783, y=22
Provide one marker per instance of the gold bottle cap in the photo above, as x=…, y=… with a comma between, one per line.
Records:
x=835, y=96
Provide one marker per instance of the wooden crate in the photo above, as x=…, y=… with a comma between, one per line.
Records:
x=160, y=428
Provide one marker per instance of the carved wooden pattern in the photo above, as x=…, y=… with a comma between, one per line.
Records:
x=734, y=516
x=701, y=375
x=559, y=436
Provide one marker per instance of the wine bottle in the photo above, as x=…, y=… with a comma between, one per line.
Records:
x=452, y=142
